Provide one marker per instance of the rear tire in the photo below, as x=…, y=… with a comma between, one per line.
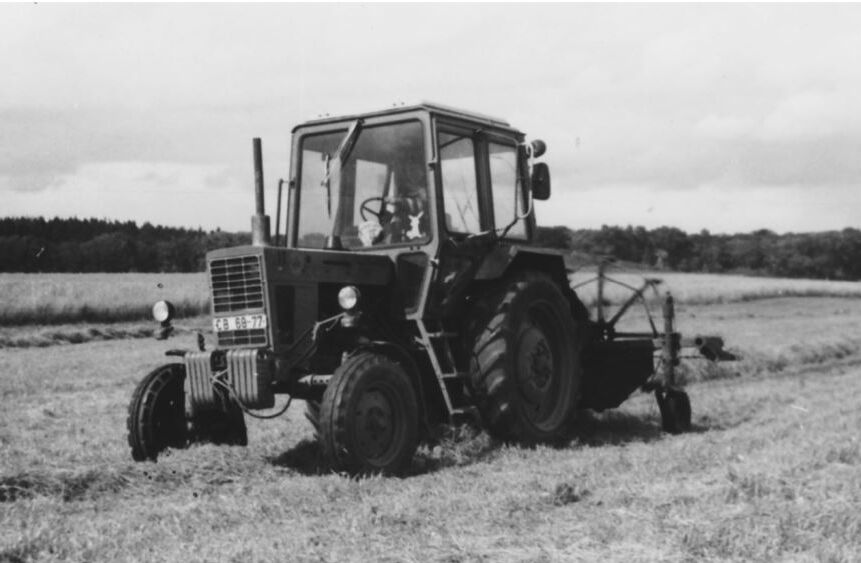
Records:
x=675, y=407
x=156, y=415
x=525, y=366
x=368, y=420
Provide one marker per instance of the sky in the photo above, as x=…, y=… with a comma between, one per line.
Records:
x=727, y=117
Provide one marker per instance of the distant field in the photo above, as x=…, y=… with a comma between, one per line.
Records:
x=52, y=299
x=49, y=299
x=701, y=289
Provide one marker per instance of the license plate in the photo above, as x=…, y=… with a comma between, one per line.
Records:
x=239, y=322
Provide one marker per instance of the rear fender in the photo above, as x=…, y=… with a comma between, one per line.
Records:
x=502, y=261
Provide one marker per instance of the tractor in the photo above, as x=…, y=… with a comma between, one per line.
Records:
x=406, y=293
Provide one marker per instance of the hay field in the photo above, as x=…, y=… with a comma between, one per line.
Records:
x=54, y=299
x=771, y=472
x=50, y=299
x=700, y=289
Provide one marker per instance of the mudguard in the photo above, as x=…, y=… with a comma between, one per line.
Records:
x=500, y=258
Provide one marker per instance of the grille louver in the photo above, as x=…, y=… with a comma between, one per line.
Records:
x=236, y=284
x=242, y=337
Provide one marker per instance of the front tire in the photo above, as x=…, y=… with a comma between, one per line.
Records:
x=525, y=365
x=156, y=415
x=368, y=419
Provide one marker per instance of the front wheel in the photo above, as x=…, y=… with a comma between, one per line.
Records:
x=156, y=416
x=368, y=420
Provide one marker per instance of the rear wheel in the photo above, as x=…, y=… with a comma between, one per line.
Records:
x=156, y=416
x=368, y=420
x=526, y=361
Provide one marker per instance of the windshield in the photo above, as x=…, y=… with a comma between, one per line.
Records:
x=376, y=197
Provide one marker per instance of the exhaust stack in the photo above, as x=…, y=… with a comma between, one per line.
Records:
x=259, y=221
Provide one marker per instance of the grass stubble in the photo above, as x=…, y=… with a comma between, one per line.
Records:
x=772, y=470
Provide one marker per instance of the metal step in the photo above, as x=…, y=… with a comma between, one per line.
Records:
x=464, y=414
x=442, y=334
x=426, y=339
x=454, y=375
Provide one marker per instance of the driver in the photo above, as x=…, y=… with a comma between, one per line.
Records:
x=403, y=216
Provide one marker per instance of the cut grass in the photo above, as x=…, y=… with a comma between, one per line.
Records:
x=39, y=336
x=772, y=470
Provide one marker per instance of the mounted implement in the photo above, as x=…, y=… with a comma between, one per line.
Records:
x=405, y=293
x=650, y=358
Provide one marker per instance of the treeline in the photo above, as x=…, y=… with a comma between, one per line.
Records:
x=832, y=255
x=94, y=245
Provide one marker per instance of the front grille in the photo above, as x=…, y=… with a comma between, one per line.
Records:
x=237, y=284
x=242, y=337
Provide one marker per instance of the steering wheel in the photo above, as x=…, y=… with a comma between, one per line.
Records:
x=365, y=208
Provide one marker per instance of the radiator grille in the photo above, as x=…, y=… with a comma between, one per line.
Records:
x=242, y=337
x=236, y=284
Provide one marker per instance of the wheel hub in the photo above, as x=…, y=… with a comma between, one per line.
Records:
x=374, y=425
x=535, y=367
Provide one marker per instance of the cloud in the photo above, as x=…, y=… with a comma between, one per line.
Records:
x=716, y=208
x=38, y=145
x=724, y=127
x=630, y=98
x=813, y=115
x=160, y=192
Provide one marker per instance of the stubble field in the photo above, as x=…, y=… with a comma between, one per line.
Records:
x=772, y=470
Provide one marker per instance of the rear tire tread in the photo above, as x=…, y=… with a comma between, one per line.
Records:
x=492, y=357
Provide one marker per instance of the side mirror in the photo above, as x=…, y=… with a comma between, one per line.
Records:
x=540, y=181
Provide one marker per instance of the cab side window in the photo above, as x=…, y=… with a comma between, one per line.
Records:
x=507, y=192
x=459, y=183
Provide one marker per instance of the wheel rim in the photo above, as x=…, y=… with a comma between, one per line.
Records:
x=540, y=379
x=164, y=419
x=156, y=415
x=378, y=424
x=167, y=419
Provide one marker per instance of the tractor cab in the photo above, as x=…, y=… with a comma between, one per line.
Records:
x=414, y=184
x=409, y=177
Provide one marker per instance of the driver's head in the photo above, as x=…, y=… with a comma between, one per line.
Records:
x=413, y=180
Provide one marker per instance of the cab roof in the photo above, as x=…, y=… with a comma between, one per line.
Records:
x=430, y=107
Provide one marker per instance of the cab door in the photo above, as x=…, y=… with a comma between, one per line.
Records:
x=463, y=213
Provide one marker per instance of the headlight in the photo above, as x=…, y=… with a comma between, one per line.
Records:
x=348, y=297
x=163, y=311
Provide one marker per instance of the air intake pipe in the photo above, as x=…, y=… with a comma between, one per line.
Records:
x=259, y=221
